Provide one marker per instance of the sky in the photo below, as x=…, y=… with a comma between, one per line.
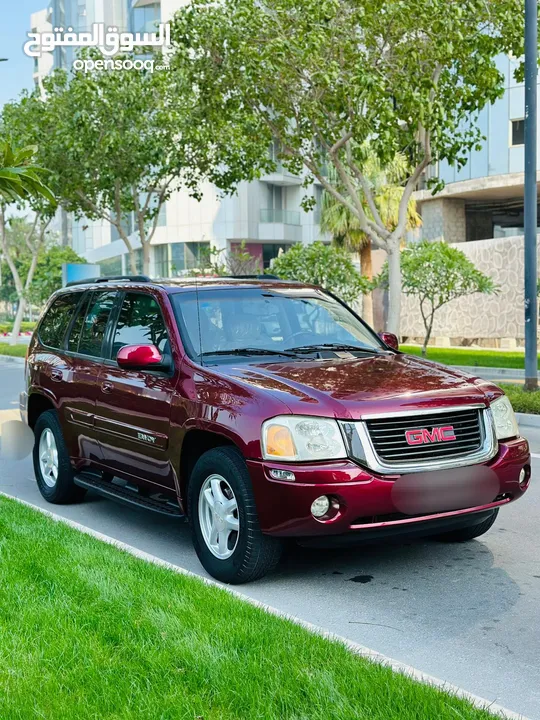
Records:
x=16, y=73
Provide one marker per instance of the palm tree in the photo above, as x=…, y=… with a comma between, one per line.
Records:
x=20, y=179
x=345, y=227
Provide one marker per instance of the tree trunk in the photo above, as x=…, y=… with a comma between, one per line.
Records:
x=366, y=269
x=132, y=263
x=394, y=290
x=146, y=258
x=428, y=335
x=18, y=321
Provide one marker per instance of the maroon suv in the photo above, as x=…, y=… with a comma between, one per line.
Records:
x=260, y=410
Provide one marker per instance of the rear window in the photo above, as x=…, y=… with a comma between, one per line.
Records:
x=53, y=327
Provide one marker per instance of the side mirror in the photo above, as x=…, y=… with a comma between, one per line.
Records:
x=389, y=339
x=141, y=357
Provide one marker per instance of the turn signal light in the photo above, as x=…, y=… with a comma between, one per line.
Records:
x=279, y=441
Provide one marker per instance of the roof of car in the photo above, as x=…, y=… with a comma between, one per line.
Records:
x=185, y=283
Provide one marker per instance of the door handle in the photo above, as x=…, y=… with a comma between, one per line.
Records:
x=57, y=375
x=107, y=387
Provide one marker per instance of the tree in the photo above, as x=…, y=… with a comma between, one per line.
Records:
x=324, y=265
x=20, y=178
x=33, y=237
x=120, y=143
x=48, y=274
x=345, y=228
x=437, y=273
x=322, y=77
x=235, y=261
x=21, y=183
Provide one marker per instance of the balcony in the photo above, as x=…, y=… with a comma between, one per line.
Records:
x=287, y=217
x=282, y=176
x=280, y=225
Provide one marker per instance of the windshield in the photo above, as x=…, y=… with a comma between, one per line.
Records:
x=256, y=319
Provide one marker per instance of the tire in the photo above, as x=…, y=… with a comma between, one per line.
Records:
x=239, y=556
x=55, y=481
x=471, y=531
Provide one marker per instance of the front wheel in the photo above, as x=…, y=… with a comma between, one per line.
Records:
x=225, y=527
x=470, y=531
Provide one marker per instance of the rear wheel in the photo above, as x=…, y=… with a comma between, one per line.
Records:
x=52, y=467
x=470, y=531
x=226, y=532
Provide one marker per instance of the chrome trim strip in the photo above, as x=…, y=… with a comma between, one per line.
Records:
x=432, y=516
x=422, y=411
x=372, y=460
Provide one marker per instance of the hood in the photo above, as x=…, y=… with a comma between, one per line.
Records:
x=351, y=388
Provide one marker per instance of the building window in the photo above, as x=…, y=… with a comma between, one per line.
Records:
x=188, y=256
x=518, y=132
x=161, y=261
x=111, y=266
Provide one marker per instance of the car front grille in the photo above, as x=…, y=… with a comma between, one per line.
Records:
x=389, y=436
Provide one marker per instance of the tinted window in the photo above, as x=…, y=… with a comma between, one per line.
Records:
x=52, y=329
x=268, y=319
x=140, y=323
x=95, y=323
x=76, y=328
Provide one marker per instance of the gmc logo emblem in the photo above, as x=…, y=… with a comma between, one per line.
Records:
x=436, y=434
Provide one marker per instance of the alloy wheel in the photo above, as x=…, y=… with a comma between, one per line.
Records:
x=218, y=516
x=48, y=458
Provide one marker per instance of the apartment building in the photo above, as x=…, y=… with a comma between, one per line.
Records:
x=484, y=199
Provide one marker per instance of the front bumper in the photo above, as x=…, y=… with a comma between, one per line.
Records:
x=366, y=503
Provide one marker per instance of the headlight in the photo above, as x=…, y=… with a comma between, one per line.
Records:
x=300, y=438
x=505, y=420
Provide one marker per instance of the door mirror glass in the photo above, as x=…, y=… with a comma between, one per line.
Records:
x=141, y=357
x=390, y=339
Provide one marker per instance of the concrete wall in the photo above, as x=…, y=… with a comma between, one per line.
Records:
x=444, y=218
x=480, y=316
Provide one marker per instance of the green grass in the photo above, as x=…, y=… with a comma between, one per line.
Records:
x=13, y=350
x=522, y=401
x=88, y=631
x=471, y=356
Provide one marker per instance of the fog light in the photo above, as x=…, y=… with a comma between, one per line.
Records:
x=524, y=477
x=282, y=475
x=320, y=506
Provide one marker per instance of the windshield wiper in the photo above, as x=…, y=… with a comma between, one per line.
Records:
x=333, y=346
x=250, y=351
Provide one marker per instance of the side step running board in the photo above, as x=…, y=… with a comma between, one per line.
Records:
x=127, y=497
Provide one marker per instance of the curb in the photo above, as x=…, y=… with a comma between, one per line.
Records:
x=12, y=359
x=356, y=648
x=528, y=419
x=494, y=372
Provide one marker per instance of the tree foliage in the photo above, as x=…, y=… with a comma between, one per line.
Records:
x=437, y=273
x=47, y=276
x=20, y=178
x=322, y=77
x=120, y=143
x=325, y=265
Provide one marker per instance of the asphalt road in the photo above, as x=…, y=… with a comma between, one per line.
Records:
x=468, y=614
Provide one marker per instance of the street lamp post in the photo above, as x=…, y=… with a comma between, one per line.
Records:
x=530, y=212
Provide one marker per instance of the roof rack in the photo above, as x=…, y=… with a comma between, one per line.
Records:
x=254, y=277
x=112, y=278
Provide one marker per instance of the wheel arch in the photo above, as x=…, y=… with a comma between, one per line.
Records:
x=38, y=403
x=195, y=443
